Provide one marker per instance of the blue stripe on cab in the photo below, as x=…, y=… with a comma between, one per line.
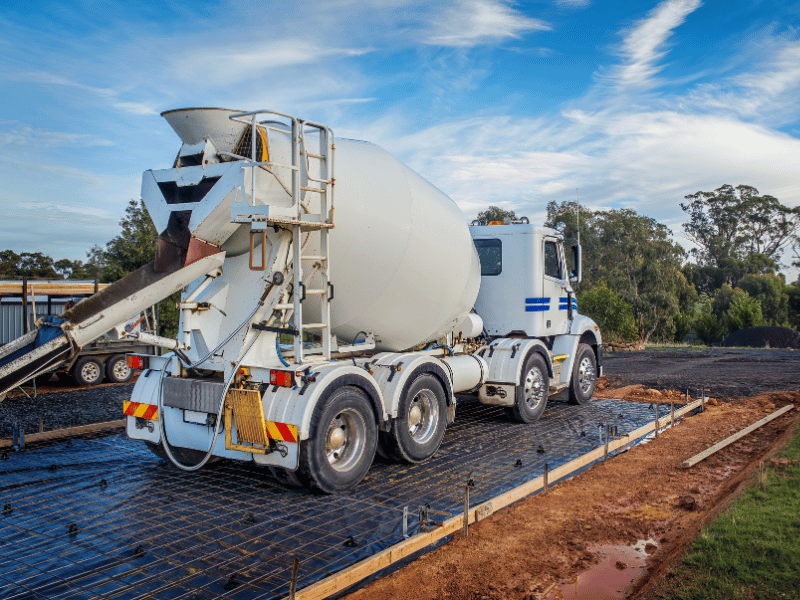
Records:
x=537, y=300
x=537, y=308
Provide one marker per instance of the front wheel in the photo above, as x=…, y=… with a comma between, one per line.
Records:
x=531, y=395
x=418, y=430
x=342, y=441
x=584, y=376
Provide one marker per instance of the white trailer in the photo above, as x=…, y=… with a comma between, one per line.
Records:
x=335, y=305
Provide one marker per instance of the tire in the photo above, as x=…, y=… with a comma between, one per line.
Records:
x=342, y=441
x=88, y=371
x=117, y=369
x=531, y=394
x=584, y=376
x=418, y=430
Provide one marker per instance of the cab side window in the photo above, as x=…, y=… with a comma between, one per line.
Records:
x=552, y=265
x=490, y=253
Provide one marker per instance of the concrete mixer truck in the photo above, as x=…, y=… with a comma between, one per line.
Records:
x=335, y=305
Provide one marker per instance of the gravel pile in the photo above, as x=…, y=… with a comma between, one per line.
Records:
x=764, y=337
x=69, y=408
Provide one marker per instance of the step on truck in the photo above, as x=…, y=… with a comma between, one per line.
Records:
x=334, y=305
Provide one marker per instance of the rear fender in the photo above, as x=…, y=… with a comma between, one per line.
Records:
x=393, y=374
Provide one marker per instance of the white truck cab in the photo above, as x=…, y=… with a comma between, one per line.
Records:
x=527, y=301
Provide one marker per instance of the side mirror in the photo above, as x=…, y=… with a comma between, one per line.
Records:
x=576, y=272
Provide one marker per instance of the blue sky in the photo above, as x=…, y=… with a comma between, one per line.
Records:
x=635, y=104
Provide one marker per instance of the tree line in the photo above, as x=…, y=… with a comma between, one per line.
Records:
x=641, y=286
x=638, y=284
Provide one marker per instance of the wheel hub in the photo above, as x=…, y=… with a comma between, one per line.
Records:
x=414, y=416
x=336, y=439
x=586, y=375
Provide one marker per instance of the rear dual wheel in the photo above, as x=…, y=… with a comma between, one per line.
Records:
x=418, y=430
x=342, y=441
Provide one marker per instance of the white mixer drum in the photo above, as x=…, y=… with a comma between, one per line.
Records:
x=402, y=259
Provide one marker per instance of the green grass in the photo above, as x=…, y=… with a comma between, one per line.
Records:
x=753, y=549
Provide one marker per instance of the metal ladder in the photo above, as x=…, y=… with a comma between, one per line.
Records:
x=300, y=221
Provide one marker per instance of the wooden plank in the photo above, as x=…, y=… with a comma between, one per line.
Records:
x=736, y=436
x=56, y=434
x=369, y=566
x=48, y=287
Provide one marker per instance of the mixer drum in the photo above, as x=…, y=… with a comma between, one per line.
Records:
x=402, y=259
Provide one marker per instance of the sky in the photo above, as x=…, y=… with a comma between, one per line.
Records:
x=619, y=104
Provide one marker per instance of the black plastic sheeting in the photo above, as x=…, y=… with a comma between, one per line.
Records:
x=104, y=518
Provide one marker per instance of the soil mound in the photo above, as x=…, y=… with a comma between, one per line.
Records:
x=764, y=337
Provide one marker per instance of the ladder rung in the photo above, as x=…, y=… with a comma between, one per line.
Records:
x=283, y=307
x=312, y=155
x=320, y=292
x=314, y=326
x=313, y=257
x=310, y=189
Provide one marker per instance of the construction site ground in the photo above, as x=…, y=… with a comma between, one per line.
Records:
x=615, y=528
x=605, y=533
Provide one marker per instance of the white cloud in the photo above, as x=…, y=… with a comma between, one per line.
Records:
x=19, y=136
x=767, y=93
x=469, y=23
x=236, y=63
x=645, y=43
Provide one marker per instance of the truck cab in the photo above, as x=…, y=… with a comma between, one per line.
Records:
x=525, y=286
x=527, y=298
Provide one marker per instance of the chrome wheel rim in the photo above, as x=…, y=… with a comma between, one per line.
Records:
x=586, y=375
x=90, y=372
x=121, y=369
x=423, y=416
x=345, y=439
x=534, y=388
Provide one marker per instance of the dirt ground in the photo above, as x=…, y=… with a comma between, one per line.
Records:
x=725, y=372
x=531, y=549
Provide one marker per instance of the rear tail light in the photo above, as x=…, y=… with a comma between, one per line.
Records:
x=137, y=362
x=282, y=378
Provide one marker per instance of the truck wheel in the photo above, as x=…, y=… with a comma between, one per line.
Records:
x=117, y=369
x=342, y=441
x=584, y=376
x=88, y=371
x=531, y=395
x=418, y=430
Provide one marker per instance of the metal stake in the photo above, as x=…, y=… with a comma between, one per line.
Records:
x=470, y=484
x=605, y=450
x=546, y=469
x=703, y=397
x=657, y=411
x=41, y=424
x=672, y=414
x=405, y=522
x=295, y=567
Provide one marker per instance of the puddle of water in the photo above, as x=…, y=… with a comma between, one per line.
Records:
x=610, y=578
